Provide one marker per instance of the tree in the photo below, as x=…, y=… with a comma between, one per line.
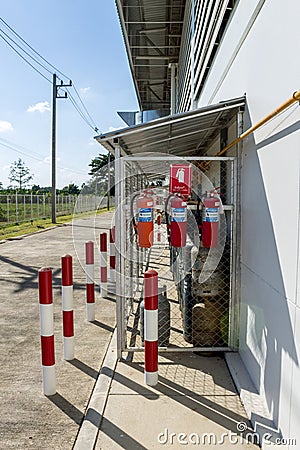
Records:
x=100, y=162
x=100, y=169
x=72, y=189
x=20, y=174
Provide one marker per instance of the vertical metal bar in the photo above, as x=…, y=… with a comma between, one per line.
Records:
x=240, y=130
x=232, y=293
x=31, y=209
x=24, y=212
x=118, y=238
x=8, y=202
x=53, y=153
x=108, y=184
x=131, y=241
x=236, y=236
x=123, y=261
x=17, y=208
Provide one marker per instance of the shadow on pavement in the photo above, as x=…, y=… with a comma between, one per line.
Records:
x=103, y=325
x=67, y=407
x=201, y=404
x=139, y=389
x=84, y=368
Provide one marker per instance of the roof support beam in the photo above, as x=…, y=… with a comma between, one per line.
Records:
x=180, y=22
x=153, y=57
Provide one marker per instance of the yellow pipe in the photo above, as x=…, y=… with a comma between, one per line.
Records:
x=295, y=98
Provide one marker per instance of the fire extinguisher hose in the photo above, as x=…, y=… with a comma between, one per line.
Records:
x=132, y=213
x=168, y=222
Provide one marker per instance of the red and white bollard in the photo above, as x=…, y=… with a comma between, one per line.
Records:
x=151, y=327
x=112, y=255
x=90, y=285
x=67, y=306
x=47, y=331
x=158, y=228
x=103, y=264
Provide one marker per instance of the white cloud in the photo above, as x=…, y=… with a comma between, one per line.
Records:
x=40, y=106
x=84, y=90
x=5, y=126
x=92, y=142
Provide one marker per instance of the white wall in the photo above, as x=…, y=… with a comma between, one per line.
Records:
x=264, y=63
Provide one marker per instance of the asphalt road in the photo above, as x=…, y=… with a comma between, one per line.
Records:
x=28, y=418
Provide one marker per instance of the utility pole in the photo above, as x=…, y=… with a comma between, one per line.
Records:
x=55, y=95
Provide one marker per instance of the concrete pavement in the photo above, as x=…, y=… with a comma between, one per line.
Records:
x=28, y=418
x=194, y=404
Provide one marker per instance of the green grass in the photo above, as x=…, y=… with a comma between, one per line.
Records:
x=26, y=211
x=11, y=231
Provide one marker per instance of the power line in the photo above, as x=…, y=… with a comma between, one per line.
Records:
x=24, y=59
x=28, y=54
x=82, y=110
x=95, y=128
x=31, y=48
x=19, y=151
x=79, y=110
x=16, y=148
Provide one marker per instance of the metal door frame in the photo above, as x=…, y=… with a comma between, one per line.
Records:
x=120, y=162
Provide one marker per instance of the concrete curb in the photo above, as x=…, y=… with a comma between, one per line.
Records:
x=88, y=432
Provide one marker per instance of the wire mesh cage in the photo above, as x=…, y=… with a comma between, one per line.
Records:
x=197, y=303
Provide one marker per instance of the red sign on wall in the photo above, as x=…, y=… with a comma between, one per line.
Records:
x=181, y=179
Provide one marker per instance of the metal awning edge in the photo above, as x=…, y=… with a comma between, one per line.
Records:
x=106, y=138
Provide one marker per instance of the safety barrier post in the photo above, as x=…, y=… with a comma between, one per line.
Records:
x=151, y=327
x=90, y=285
x=67, y=306
x=47, y=331
x=112, y=255
x=103, y=264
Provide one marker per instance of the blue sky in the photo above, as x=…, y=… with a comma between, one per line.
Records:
x=84, y=41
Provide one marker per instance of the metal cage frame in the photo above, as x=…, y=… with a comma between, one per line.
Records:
x=122, y=287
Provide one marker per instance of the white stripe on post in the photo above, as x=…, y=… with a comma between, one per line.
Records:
x=151, y=327
x=103, y=264
x=112, y=255
x=90, y=285
x=67, y=307
x=89, y=271
x=47, y=335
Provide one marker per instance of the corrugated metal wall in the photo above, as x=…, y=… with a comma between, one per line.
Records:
x=204, y=25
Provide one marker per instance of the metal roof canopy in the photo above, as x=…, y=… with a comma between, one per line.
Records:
x=152, y=34
x=179, y=135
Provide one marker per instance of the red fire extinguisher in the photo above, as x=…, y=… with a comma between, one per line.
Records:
x=210, y=220
x=178, y=222
x=145, y=205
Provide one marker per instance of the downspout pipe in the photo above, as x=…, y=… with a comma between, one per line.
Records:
x=295, y=98
x=173, y=67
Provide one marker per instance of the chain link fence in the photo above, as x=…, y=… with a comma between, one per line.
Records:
x=16, y=208
x=197, y=302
